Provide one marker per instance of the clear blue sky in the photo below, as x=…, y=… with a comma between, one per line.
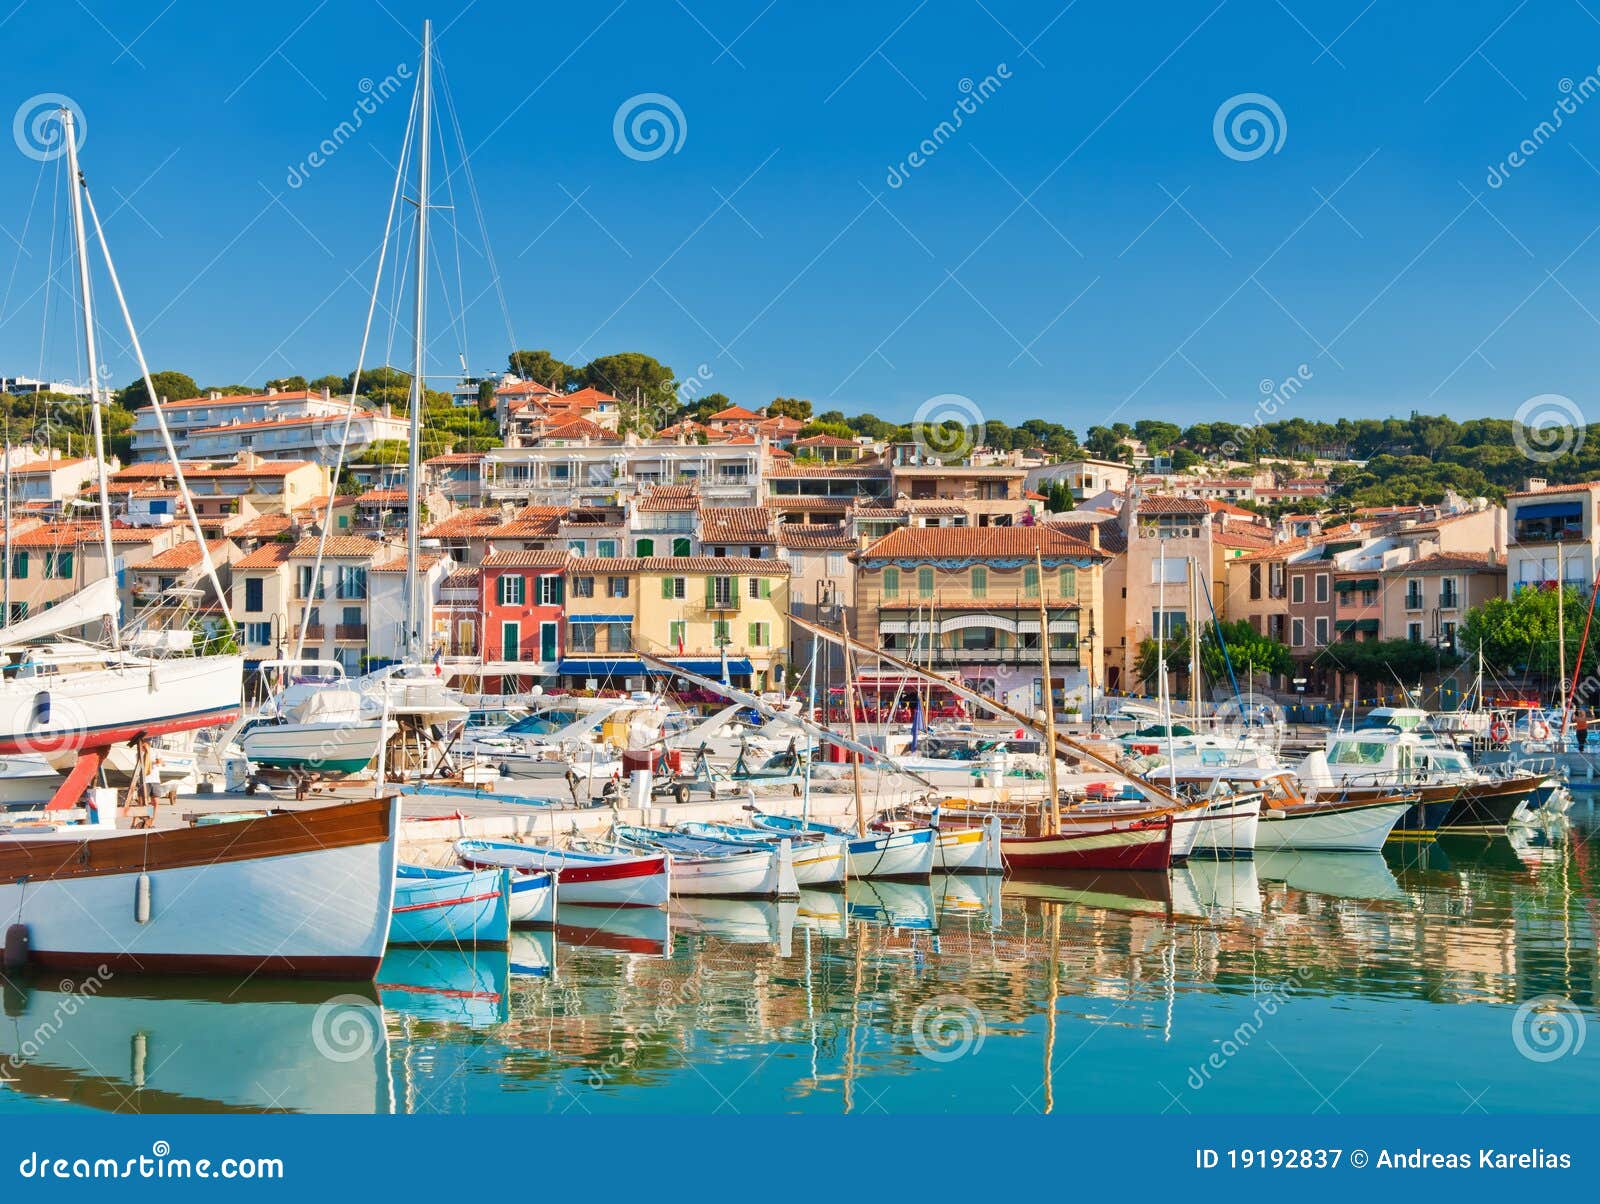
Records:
x=1080, y=248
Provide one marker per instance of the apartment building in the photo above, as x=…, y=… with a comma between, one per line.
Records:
x=49, y=561
x=816, y=493
x=601, y=474
x=48, y=482
x=1426, y=600
x=1552, y=536
x=1085, y=479
x=315, y=437
x=968, y=600
x=521, y=600
x=192, y=415
x=822, y=584
x=990, y=495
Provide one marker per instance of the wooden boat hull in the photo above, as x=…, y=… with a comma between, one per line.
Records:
x=533, y=900
x=1486, y=808
x=1332, y=826
x=1135, y=845
x=438, y=907
x=640, y=880
x=968, y=850
x=304, y=893
x=908, y=854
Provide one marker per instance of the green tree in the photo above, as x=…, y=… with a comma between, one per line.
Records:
x=632, y=376
x=287, y=384
x=1519, y=634
x=790, y=407
x=544, y=368
x=333, y=384
x=170, y=386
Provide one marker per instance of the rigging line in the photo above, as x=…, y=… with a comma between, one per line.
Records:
x=355, y=387
x=49, y=278
x=477, y=206
x=22, y=241
x=459, y=319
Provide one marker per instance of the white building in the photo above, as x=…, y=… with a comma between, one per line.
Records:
x=603, y=473
x=186, y=418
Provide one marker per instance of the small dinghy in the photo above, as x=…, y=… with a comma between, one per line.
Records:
x=607, y=879
x=703, y=865
x=450, y=907
x=817, y=858
x=905, y=854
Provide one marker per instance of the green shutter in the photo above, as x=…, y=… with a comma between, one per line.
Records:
x=644, y=547
x=711, y=592
x=891, y=582
x=666, y=587
x=766, y=587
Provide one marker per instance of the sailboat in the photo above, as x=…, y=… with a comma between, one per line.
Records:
x=74, y=700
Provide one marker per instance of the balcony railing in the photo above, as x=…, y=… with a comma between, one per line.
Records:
x=350, y=631
x=316, y=632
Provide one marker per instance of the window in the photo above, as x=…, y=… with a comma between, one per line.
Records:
x=577, y=546
x=760, y=587
x=1449, y=597
x=552, y=591
x=760, y=635
x=583, y=587
x=1448, y=637
x=1030, y=582
x=19, y=565
x=616, y=587
x=678, y=633
x=1414, y=632
x=1322, y=632
x=980, y=582
x=254, y=589
x=719, y=592
x=1174, y=570
x=581, y=637
x=547, y=642
x=1255, y=582
x=674, y=587
x=258, y=633
x=606, y=548
x=891, y=582
x=302, y=585
x=1297, y=631
x=513, y=589
x=1172, y=623
x=644, y=547
x=1322, y=587
x=1413, y=594
x=352, y=581
x=719, y=633
x=619, y=637
x=925, y=582
x=1067, y=581
x=511, y=639
x=681, y=546
x=1275, y=580
x=19, y=611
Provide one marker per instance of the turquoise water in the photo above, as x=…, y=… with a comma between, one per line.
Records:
x=1444, y=979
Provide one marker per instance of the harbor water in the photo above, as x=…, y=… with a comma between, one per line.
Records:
x=1444, y=978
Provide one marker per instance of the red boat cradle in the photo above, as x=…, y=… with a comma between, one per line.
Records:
x=76, y=782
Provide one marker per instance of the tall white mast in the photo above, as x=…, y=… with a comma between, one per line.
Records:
x=414, y=649
x=91, y=349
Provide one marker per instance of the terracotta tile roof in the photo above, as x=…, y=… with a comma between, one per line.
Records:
x=816, y=537
x=55, y=535
x=382, y=497
x=1221, y=507
x=267, y=556
x=976, y=543
x=1233, y=537
x=1464, y=562
x=553, y=559
x=670, y=498
x=267, y=468
x=779, y=424
x=244, y=399
x=1163, y=504
x=424, y=562
x=456, y=458
x=687, y=427
x=44, y=466
x=261, y=424
x=467, y=578
x=158, y=469
x=263, y=526
x=185, y=555
x=587, y=398
x=340, y=547
x=1112, y=537
x=731, y=565
x=581, y=428
x=464, y=523
x=735, y=414
x=546, y=526
x=867, y=472
x=932, y=509
x=1575, y=487
x=825, y=441
x=1280, y=551
x=735, y=524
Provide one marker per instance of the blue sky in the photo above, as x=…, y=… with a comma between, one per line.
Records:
x=1081, y=248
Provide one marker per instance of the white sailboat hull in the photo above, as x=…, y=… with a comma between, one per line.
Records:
x=1227, y=829
x=1343, y=829
x=908, y=854
x=968, y=850
x=316, y=747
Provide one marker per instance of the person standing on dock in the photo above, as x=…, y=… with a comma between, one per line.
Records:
x=1583, y=730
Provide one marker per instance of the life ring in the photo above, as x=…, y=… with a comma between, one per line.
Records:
x=1500, y=731
x=1539, y=729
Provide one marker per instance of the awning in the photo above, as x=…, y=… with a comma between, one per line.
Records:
x=738, y=666
x=599, y=618
x=1551, y=510
x=1364, y=584
x=1357, y=625
x=601, y=668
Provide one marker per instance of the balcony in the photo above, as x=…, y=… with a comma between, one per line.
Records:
x=1413, y=601
x=350, y=631
x=316, y=632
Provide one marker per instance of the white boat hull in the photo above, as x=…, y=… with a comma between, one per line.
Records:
x=335, y=748
x=908, y=854
x=533, y=899
x=969, y=850
x=1227, y=829
x=757, y=874
x=1361, y=828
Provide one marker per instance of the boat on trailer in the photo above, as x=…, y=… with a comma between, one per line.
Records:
x=451, y=907
x=608, y=879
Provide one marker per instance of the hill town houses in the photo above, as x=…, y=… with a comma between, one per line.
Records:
x=556, y=558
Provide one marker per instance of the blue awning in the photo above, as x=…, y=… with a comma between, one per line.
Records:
x=601, y=668
x=738, y=666
x=1551, y=510
x=599, y=618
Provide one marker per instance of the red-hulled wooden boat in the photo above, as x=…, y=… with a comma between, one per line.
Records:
x=1135, y=844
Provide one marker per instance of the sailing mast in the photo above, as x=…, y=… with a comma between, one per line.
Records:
x=855, y=759
x=1561, y=622
x=1194, y=643
x=1049, y=694
x=418, y=380
x=91, y=350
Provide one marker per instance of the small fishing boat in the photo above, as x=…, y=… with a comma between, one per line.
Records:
x=533, y=899
x=968, y=846
x=1340, y=821
x=703, y=865
x=904, y=854
x=608, y=879
x=816, y=859
x=1101, y=843
x=450, y=907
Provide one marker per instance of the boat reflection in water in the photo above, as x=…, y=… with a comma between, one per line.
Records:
x=897, y=905
x=194, y=1045
x=1336, y=875
x=470, y=987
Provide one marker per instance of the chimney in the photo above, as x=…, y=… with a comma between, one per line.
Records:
x=1094, y=536
x=272, y=390
x=325, y=394
x=1534, y=484
x=214, y=395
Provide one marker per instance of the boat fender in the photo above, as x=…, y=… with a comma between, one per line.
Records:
x=16, y=955
x=41, y=707
x=141, y=899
